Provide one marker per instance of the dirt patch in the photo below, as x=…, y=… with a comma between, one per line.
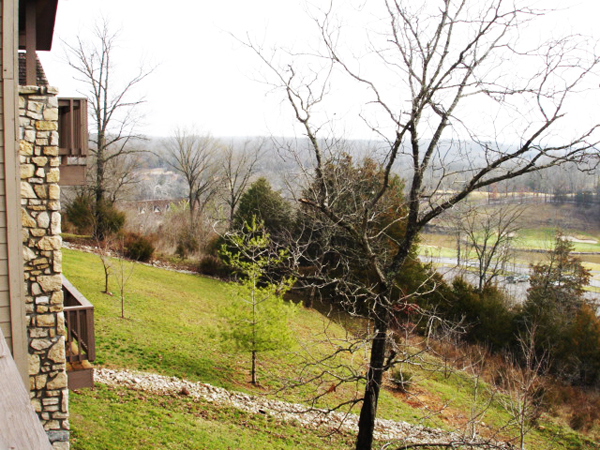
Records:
x=565, y=217
x=432, y=405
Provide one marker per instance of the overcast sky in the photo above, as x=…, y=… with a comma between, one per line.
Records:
x=203, y=76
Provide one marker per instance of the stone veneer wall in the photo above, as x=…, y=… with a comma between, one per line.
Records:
x=40, y=208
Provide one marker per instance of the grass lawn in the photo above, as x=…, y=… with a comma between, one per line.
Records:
x=136, y=420
x=543, y=239
x=539, y=224
x=171, y=327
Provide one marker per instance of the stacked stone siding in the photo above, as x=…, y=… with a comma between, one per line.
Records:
x=40, y=194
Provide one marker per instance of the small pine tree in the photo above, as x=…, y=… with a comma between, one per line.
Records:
x=554, y=303
x=560, y=280
x=257, y=316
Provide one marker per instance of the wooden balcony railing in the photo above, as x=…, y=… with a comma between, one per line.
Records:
x=79, y=318
x=72, y=141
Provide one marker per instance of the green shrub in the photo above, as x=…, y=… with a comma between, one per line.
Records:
x=80, y=213
x=109, y=220
x=486, y=314
x=261, y=203
x=138, y=247
x=213, y=267
x=186, y=244
x=211, y=263
x=402, y=379
x=100, y=220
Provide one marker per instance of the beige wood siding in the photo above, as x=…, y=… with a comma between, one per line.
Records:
x=4, y=299
x=5, y=322
x=12, y=301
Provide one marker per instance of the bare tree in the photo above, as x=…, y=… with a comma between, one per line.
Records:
x=430, y=75
x=123, y=270
x=106, y=255
x=195, y=157
x=122, y=176
x=489, y=233
x=113, y=104
x=524, y=384
x=238, y=167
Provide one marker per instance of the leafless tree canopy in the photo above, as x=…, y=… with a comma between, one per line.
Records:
x=488, y=234
x=460, y=100
x=238, y=165
x=112, y=105
x=195, y=157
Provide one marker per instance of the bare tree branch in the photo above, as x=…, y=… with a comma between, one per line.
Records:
x=195, y=157
x=238, y=165
x=113, y=105
x=448, y=93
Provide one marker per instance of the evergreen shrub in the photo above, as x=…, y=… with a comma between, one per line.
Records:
x=137, y=247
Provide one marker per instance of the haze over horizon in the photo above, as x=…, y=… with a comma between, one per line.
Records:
x=205, y=78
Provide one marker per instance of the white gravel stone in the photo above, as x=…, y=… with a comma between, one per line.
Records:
x=291, y=412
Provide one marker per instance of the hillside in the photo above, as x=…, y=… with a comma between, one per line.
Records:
x=171, y=328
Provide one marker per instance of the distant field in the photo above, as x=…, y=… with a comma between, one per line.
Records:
x=526, y=239
x=540, y=223
x=543, y=239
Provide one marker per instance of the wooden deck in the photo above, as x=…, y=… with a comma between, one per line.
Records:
x=20, y=427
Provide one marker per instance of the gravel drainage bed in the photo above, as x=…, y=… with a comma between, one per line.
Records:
x=386, y=430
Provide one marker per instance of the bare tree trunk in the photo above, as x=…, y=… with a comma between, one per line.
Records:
x=368, y=411
x=99, y=187
x=104, y=249
x=106, y=275
x=309, y=299
x=458, y=255
x=192, y=208
x=253, y=369
x=231, y=215
x=238, y=167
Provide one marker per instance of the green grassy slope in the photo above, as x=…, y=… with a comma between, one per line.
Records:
x=171, y=325
x=109, y=418
x=171, y=328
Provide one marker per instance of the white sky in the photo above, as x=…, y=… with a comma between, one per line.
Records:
x=204, y=77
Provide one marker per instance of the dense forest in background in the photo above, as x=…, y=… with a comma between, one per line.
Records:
x=280, y=159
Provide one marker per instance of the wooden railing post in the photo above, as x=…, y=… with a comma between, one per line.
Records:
x=79, y=318
x=30, y=44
